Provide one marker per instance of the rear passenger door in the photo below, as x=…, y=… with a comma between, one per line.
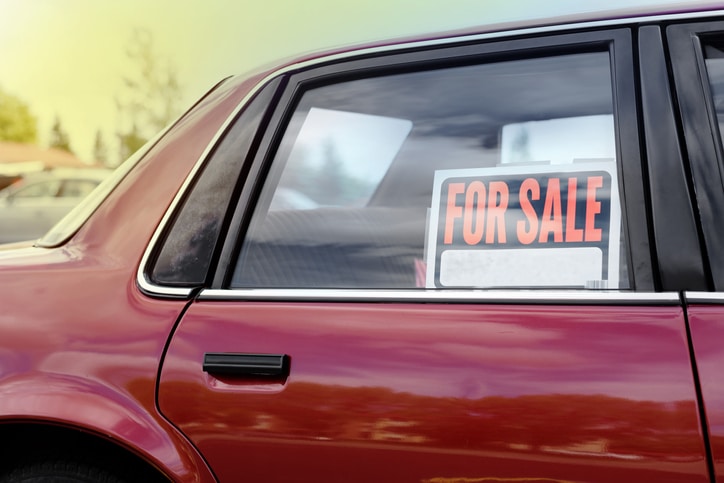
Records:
x=438, y=269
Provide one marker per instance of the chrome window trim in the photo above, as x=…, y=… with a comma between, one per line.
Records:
x=515, y=30
x=568, y=297
x=704, y=297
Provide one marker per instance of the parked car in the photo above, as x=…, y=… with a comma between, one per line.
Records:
x=508, y=265
x=31, y=205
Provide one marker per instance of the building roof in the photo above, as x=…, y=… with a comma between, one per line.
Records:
x=16, y=158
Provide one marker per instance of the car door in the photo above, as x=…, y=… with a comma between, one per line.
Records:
x=438, y=268
x=697, y=53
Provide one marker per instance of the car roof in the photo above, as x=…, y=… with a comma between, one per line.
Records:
x=528, y=22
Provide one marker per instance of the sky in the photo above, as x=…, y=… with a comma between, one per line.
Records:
x=66, y=58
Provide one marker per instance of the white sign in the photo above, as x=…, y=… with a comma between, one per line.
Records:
x=525, y=226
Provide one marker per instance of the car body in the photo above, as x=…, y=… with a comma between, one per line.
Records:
x=31, y=205
x=502, y=260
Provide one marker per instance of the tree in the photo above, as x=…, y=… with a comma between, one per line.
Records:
x=100, y=150
x=131, y=141
x=150, y=97
x=17, y=123
x=58, y=137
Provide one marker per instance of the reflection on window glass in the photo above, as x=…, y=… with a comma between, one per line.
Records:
x=513, y=163
x=714, y=53
x=338, y=159
x=533, y=141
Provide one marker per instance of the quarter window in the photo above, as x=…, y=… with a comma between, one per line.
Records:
x=714, y=58
x=500, y=175
x=184, y=258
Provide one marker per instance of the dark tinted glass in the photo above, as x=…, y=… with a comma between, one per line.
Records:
x=186, y=253
x=714, y=53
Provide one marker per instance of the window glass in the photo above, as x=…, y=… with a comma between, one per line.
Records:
x=185, y=255
x=332, y=161
x=714, y=53
x=77, y=188
x=496, y=175
x=42, y=189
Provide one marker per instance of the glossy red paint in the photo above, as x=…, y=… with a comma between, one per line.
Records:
x=93, y=365
x=395, y=392
x=707, y=334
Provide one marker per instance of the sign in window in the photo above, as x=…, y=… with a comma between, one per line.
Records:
x=544, y=226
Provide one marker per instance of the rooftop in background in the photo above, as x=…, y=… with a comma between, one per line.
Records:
x=18, y=158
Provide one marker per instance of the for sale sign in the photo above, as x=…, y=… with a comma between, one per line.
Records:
x=542, y=226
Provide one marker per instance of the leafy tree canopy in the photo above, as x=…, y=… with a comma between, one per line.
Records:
x=150, y=97
x=17, y=123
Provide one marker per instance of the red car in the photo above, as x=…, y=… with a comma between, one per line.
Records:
x=492, y=256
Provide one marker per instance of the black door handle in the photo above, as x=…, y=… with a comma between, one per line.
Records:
x=258, y=365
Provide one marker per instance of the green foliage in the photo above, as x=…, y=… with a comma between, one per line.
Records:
x=150, y=97
x=100, y=150
x=58, y=137
x=17, y=123
x=131, y=141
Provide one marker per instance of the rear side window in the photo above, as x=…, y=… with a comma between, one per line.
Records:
x=714, y=58
x=498, y=175
x=186, y=254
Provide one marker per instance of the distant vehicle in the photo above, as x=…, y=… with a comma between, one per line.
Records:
x=30, y=206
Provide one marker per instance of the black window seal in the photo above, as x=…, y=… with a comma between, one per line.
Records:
x=703, y=141
x=675, y=228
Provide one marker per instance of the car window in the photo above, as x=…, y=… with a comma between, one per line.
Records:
x=332, y=161
x=714, y=59
x=495, y=175
x=77, y=188
x=42, y=189
x=185, y=256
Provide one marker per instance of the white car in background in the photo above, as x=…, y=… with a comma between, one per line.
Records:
x=33, y=204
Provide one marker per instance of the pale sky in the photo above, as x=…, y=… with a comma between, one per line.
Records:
x=66, y=57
